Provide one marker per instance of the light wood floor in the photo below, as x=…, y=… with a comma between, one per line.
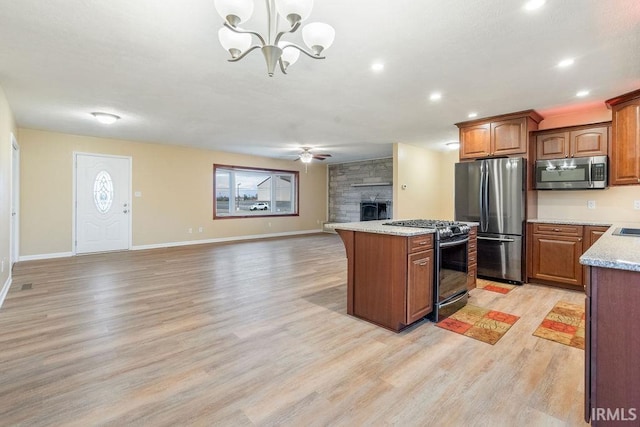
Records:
x=256, y=333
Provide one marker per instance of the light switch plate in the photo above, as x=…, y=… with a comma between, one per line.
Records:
x=591, y=204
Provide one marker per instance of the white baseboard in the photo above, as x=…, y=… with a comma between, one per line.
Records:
x=5, y=289
x=45, y=256
x=224, y=239
x=184, y=243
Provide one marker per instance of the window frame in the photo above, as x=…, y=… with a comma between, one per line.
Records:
x=272, y=172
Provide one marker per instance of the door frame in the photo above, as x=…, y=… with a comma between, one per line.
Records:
x=74, y=205
x=14, y=202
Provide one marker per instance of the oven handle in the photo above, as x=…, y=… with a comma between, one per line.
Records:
x=494, y=239
x=453, y=301
x=457, y=242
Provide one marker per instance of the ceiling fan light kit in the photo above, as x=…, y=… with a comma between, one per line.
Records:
x=317, y=36
x=306, y=157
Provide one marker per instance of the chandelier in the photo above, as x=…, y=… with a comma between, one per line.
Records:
x=317, y=36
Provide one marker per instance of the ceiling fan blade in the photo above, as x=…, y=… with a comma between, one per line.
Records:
x=321, y=156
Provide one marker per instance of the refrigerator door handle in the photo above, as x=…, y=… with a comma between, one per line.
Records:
x=485, y=197
x=494, y=239
x=481, y=196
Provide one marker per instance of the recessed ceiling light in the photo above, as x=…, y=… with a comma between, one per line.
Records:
x=472, y=115
x=566, y=63
x=377, y=66
x=435, y=96
x=534, y=4
x=105, y=118
x=582, y=93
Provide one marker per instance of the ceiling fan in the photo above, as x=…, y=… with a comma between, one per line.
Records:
x=306, y=156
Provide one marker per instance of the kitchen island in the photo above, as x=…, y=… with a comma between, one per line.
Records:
x=393, y=271
x=612, y=342
x=389, y=272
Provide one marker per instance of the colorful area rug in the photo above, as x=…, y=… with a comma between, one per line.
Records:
x=480, y=323
x=564, y=324
x=488, y=285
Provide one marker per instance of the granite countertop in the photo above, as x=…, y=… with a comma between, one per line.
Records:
x=570, y=222
x=611, y=251
x=378, y=227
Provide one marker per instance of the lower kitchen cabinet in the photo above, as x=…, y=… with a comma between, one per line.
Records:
x=556, y=250
x=389, y=278
x=556, y=253
x=419, y=285
x=612, y=348
x=472, y=258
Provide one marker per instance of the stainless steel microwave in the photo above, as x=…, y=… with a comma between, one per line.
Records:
x=579, y=173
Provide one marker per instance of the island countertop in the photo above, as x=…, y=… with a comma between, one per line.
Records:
x=378, y=227
x=612, y=251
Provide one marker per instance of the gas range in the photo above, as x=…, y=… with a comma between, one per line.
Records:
x=445, y=229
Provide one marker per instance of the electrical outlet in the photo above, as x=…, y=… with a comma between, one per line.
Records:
x=190, y=230
x=199, y=229
x=591, y=204
x=636, y=204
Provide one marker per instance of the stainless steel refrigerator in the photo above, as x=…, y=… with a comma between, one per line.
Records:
x=492, y=192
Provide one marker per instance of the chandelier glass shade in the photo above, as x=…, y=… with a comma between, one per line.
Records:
x=317, y=36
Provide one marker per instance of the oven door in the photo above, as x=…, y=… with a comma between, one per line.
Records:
x=453, y=268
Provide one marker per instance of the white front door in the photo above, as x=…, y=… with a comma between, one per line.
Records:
x=103, y=203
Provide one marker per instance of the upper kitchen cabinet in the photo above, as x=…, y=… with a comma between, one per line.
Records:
x=625, y=136
x=504, y=135
x=575, y=141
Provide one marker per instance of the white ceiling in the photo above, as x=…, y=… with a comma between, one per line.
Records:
x=159, y=65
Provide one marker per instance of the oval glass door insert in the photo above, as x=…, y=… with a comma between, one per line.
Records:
x=103, y=192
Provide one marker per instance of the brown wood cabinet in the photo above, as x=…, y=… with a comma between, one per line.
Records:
x=577, y=141
x=591, y=234
x=625, y=135
x=504, y=135
x=556, y=253
x=389, y=278
x=472, y=258
x=612, y=347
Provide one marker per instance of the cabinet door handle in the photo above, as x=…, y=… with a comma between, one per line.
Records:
x=423, y=243
x=423, y=263
x=557, y=230
x=579, y=239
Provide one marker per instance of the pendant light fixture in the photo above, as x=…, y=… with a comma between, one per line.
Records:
x=238, y=42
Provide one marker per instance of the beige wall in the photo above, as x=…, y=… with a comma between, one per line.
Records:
x=428, y=176
x=612, y=204
x=7, y=127
x=176, y=184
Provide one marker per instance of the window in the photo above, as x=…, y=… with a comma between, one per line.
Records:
x=246, y=192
